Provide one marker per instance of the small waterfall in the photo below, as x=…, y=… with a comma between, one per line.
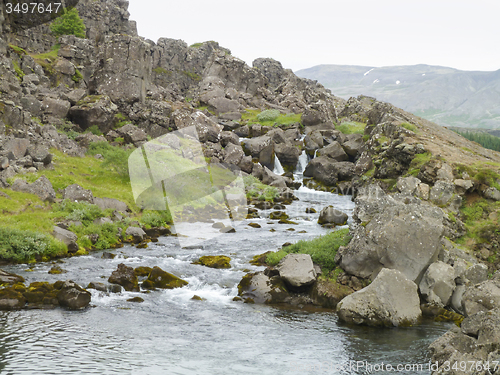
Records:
x=278, y=168
x=302, y=163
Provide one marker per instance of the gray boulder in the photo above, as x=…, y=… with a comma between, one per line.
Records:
x=330, y=215
x=66, y=237
x=233, y=154
x=333, y=151
x=443, y=194
x=260, y=288
x=40, y=154
x=55, y=107
x=41, y=187
x=132, y=134
x=297, y=270
x=111, y=203
x=253, y=146
x=287, y=154
x=323, y=169
x=397, y=233
x=492, y=193
x=482, y=297
x=76, y=193
x=16, y=147
x=438, y=284
x=136, y=233
x=408, y=185
x=353, y=145
x=390, y=300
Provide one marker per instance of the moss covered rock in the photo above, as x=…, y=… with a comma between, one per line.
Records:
x=10, y=299
x=142, y=271
x=72, y=296
x=215, y=261
x=161, y=279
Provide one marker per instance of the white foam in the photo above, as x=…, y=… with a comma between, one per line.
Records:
x=278, y=168
x=398, y=82
x=368, y=72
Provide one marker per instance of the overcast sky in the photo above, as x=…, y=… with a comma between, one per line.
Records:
x=455, y=33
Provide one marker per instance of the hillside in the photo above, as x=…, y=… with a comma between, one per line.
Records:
x=446, y=96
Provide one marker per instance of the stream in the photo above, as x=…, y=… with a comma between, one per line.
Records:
x=170, y=333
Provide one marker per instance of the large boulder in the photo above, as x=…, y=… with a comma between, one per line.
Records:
x=57, y=108
x=111, y=203
x=233, y=154
x=132, y=134
x=76, y=193
x=330, y=215
x=261, y=288
x=438, y=284
x=16, y=147
x=323, y=169
x=287, y=154
x=135, y=233
x=67, y=237
x=10, y=278
x=392, y=231
x=334, y=151
x=353, y=145
x=73, y=296
x=94, y=110
x=41, y=187
x=126, y=277
x=297, y=270
x=390, y=300
x=482, y=297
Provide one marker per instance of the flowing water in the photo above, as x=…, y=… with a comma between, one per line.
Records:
x=170, y=333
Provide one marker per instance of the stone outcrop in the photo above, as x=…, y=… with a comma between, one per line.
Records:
x=390, y=300
x=125, y=276
x=392, y=232
x=297, y=270
x=329, y=215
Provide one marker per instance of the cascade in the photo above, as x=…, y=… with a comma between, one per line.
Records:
x=278, y=168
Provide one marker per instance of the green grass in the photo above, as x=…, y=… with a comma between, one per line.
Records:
x=351, y=127
x=410, y=127
x=418, y=161
x=257, y=190
x=18, y=70
x=20, y=51
x=322, y=249
x=268, y=118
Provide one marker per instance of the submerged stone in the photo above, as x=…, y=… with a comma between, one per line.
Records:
x=215, y=261
x=125, y=277
x=159, y=278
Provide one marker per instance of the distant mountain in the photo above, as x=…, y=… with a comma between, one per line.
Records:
x=443, y=95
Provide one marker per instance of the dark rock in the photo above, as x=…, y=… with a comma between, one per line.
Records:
x=136, y=234
x=73, y=296
x=56, y=270
x=261, y=288
x=334, y=151
x=10, y=278
x=98, y=286
x=40, y=153
x=323, y=169
x=125, y=277
x=330, y=215
x=16, y=147
x=135, y=299
x=164, y=280
x=11, y=299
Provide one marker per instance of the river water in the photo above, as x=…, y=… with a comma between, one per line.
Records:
x=170, y=333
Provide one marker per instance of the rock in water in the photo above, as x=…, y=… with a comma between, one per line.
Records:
x=73, y=296
x=330, y=215
x=125, y=277
x=160, y=279
x=10, y=278
x=297, y=270
x=390, y=300
x=215, y=261
x=260, y=288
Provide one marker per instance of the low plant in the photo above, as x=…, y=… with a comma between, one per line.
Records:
x=322, y=249
x=69, y=23
x=351, y=127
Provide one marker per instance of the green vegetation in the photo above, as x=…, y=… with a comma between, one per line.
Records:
x=20, y=51
x=268, y=118
x=351, y=127
x=47, y=60
x=481, y=221
x=115, y=158
x=410, y=127
x=418, y=161
x=18, y=70
x=482, y=173
x=196, y=45
x=484, y=139
x=27, y=246
x=156, y=218
x=321, y=249
x=69, y=23
x=159, y=70
x=257, y=190
x=192, y=75
x=77, y=77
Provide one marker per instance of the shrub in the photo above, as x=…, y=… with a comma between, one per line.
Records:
x=268, y=115
x=156, y=218
x=69, y=23
x=322, y=249
x=24, y=246
x=351, y=127
x=108, y=234
x=79, y=211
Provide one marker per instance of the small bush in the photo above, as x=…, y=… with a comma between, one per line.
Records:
x=156, y=219
x=351, y=127
x=79, y=211
x=25, y=246
x=321, y=249
x=268, y=115
x=69, y=23
x=108, y=235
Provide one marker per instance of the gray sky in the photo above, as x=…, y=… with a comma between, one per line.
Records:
x=455, y=33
